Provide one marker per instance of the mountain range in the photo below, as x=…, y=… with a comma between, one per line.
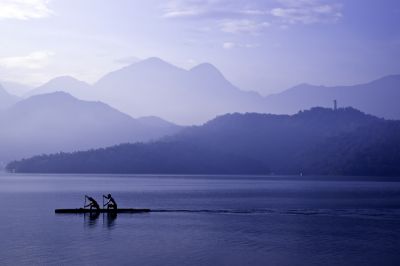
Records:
x=184, y=96
x=378, y=97
x=46, y=120
x=319, y=141
x=57, y=121
x=153, y=87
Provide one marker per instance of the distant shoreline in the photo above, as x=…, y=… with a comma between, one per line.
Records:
x=216, y=176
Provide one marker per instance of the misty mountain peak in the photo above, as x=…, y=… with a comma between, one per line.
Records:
x=53, y=97
x=206, y=69
x=66, y=81
x=73, y=86
x=58, y=121
x=154, y=63
x=58, y=94
x=154, y=60
x=142, y=70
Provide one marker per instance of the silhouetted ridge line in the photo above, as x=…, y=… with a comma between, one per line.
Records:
x=319, y=141
x=57, y=121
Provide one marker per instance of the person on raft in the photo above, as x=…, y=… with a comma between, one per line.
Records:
x=92, y=203
x=111, y=204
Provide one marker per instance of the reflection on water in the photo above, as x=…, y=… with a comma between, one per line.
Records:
x=205, y=220
x=110, y=219
x=92, y=219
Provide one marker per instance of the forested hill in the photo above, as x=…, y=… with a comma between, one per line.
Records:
x=318, y=141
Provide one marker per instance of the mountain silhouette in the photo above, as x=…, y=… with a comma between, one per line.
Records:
x=318, y=141
x=70, y=85
x=59, y=122
x=378, y=97
x=153, y=87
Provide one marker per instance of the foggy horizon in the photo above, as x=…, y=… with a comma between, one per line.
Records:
x=26, y=92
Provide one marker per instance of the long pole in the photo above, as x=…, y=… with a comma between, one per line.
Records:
x=102, y=197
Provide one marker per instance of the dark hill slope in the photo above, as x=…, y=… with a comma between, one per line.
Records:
x=318, y=141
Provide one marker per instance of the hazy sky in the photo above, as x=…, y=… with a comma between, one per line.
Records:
x=262, y=45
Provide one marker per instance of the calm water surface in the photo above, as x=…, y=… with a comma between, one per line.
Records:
x=201, y=220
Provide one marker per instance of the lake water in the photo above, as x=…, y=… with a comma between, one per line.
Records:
x=201, y=220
